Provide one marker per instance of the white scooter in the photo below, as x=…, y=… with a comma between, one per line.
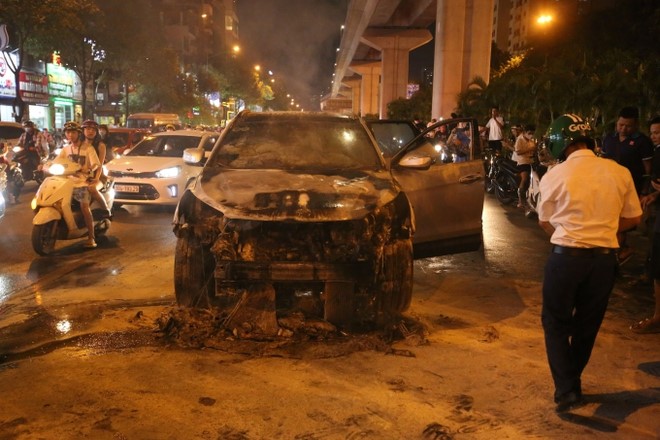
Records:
x=542, y=163
x=58, y=215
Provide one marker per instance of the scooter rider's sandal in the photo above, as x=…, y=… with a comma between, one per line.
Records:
x=91, y=244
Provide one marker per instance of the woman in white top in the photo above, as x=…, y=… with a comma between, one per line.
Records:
x=523, y=155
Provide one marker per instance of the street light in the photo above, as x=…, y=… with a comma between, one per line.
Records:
x=544, y=19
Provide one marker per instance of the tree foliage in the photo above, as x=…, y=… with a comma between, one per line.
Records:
x=592, y=70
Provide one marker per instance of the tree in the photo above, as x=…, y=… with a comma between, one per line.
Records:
x=32, y=24
x=419, y=105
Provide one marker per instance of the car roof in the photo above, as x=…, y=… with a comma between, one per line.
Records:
x=126, y=129
x=184, y=133
x=292, y=115
x=11, y=124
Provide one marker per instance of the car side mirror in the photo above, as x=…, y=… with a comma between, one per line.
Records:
x=193, y=156
x=416, y=162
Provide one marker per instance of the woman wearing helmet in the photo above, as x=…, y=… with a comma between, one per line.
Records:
x=84, y=154
x=92, y=138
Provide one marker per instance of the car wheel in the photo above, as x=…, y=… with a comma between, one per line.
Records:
x=44, y=237
x=194, y=284
x=395, y=278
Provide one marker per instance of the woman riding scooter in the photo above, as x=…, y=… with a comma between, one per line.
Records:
x=92, y=137
x=84, y=154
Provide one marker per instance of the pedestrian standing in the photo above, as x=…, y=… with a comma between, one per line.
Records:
x=495, y=128
x=634, y=150
x=652, y=324
x=582, y=217
x=523, y=155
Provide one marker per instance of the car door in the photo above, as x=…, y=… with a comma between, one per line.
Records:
x=447, y=197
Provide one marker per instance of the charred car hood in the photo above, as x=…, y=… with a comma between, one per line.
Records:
x=271, y=195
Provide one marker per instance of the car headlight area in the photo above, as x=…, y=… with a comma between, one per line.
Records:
x=169, y=173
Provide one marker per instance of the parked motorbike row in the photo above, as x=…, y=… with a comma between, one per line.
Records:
x=503, y=178
x=57, y=214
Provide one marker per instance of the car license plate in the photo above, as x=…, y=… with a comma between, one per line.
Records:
x=127, y=188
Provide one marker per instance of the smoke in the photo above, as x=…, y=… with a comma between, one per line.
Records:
x=296, y=39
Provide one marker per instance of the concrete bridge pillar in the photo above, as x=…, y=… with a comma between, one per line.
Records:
x=462, y=50
x=395, y=46
x=370, y=72
x=355, y=84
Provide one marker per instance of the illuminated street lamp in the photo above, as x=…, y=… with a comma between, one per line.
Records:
x=257, y=67
x=544, y=19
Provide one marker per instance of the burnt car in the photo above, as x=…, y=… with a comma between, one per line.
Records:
x=304, y=207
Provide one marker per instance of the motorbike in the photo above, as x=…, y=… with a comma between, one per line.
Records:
x=543, y=161
x=13, y=177
x=57, y=213
x=504, y=178
x=488, y=158
x=30, y=160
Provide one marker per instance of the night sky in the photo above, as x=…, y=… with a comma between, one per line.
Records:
x=299, y=38
x=296, y=39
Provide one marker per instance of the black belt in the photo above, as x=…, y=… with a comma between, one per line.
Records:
x=582, y=252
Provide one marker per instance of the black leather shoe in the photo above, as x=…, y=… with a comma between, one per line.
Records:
x=568, y=401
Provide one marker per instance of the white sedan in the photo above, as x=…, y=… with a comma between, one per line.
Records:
x=154, y=172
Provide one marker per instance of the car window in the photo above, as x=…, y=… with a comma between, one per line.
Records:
x=164, y=146
x=296, y=144
x=392, y=136
x=7, y=132
x=449, y=143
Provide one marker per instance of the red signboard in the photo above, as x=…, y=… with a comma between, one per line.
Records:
x=33, y=87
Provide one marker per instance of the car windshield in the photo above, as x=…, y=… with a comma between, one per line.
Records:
x=296, y=144
x=164, y=146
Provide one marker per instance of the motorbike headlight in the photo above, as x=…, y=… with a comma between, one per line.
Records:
x=33, y=203
x=16, y=149
x=168, y=173
x=56, y=169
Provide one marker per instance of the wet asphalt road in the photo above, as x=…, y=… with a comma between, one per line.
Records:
x=133, y=267
x=85, y=298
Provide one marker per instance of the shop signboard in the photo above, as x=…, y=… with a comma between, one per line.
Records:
x=33, y=87
x=60, y=81
x=7, y=80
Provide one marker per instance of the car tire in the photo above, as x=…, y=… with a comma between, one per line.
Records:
x=44, y=237
x=395, y=278
x=194, y=283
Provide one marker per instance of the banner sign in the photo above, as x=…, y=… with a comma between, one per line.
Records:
x=33, y=87
x=60, y=81
x=7, y=80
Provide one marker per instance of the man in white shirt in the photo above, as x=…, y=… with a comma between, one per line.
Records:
x=585, y=202
x=495, y=127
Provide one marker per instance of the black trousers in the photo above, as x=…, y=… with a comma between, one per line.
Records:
x=576, y=290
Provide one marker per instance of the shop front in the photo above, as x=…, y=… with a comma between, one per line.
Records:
x=61, y=83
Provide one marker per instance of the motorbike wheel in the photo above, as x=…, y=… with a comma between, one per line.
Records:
x=194, y=283
x=15, y=186
x=506, y=189
x=44, y=237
